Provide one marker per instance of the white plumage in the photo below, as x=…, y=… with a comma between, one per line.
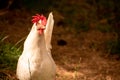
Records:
x=36, y=62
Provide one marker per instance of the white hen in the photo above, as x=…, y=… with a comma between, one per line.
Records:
x=35, y=63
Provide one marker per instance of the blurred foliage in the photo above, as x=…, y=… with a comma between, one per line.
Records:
x=8, y=54
x=112, y=47
x=104, y=27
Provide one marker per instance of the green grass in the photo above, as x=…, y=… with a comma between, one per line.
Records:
x=9, y=54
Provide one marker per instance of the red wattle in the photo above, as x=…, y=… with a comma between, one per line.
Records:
x=40, y=31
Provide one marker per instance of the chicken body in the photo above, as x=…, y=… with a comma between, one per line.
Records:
x=36, y=63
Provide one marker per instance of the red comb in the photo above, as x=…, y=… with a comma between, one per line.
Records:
x=38, y=17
